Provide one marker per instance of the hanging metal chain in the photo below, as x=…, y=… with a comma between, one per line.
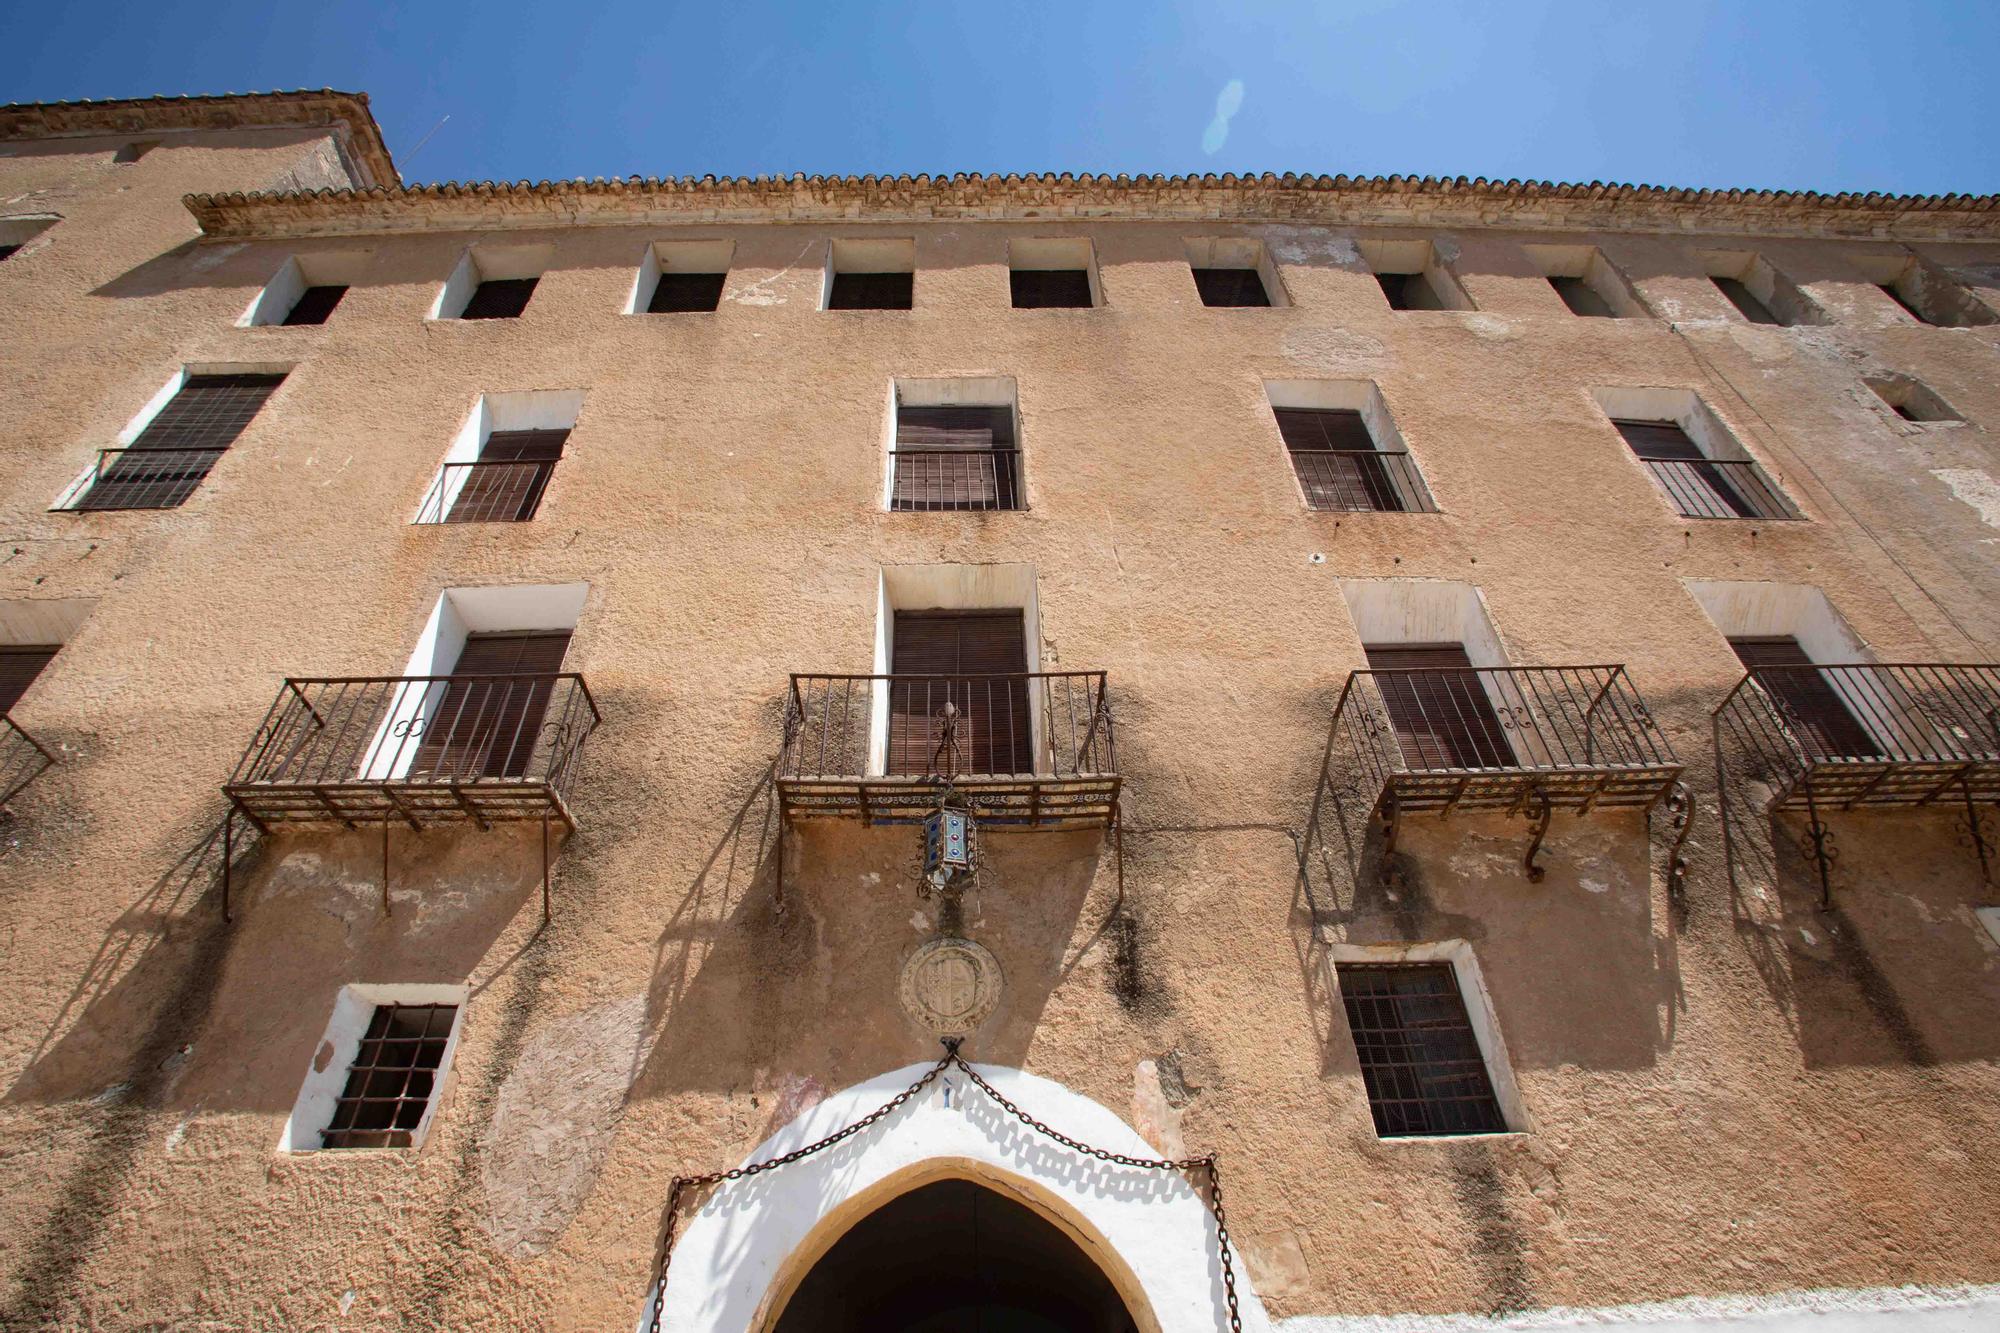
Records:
x=683, y=1184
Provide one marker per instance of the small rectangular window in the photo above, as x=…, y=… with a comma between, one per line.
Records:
x=683, y=277
x=1412, y=275
x=393, y=1077
x=499, y=298
x=169, y=458
x=1912, y=399
x=8, y=250
x=135, y=150
x=1049, y=288
x=1581, y=297
x=1420, y=1058
x=314, y=305
x=19, y=665
x=1745, y=301
x=1588, y=283
x=1234, y=271
x=955, y=457
x=686, y=293
x=1231, y=287
x=871, y=291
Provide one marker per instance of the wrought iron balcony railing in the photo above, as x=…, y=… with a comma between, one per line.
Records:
x=1452, y=738
x=1360, y=480
x=419, y=749
x=22, y=759
x=145, y=478
x=929, y=480
x=487, y=491
x=1869, y=734
x=1026, y=748
x=1719, y=488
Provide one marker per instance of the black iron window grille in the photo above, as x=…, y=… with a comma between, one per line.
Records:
x=393, y=1077
x=171, y=456
x=1420, y=1059
x=686, y=293
x=504, y=484
x=952, y=458
x=1049, y=288
x=1231, y=287
x=499, y=298
x=1339, y=467
x=871, y=291
x=1700, y=486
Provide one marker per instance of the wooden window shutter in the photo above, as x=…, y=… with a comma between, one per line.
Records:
x=162, y=467
x=1336, y=460
x=1440, y=711
x=506, y=484
x=1689, y=477
x=982, y=658
x=488, y=728
x=1818, y=716
x=19, y=665
x=955, y=458
x=501, y=298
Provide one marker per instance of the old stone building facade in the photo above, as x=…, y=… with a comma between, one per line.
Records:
x=1469, y=698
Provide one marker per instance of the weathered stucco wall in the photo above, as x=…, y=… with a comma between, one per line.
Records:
x=1728, y=1091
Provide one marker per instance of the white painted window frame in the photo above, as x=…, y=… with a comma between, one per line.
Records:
x=523, y=409
x=686, y=255
x=1057, y=252
x=867, y=254
x=953, y=391
x=1479, y=1011
x=73, y=493
x=1238, y=252
x=353, y=1008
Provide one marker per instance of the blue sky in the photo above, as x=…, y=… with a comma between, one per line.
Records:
x=1829, y=95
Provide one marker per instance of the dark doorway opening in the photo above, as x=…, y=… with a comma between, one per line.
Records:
x=955, y=1257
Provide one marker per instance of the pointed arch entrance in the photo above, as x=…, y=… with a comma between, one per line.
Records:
x=957, y=1251
x=741, y=1258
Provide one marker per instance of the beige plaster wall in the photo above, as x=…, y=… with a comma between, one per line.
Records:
x=1732, y=1092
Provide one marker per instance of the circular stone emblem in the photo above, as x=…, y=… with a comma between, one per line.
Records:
x=950, y=986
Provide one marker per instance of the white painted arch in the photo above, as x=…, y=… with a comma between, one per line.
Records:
x=743, y=1251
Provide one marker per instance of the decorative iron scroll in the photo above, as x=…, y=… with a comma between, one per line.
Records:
x=950, y=1059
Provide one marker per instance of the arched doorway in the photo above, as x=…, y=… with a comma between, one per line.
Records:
x=954, y=1256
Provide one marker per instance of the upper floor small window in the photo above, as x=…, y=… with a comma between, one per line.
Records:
x=16, y=232
x=1691, y=456
x=493, y=282
x=178, y=439
x=1926, y=293
x=955, y=446
x=682, y=277
x=1412, y=277
x=1049, y=273
x=305, y=290
x=1758, y=291
x=1234, y=271
x=1912, y=399
x=132, y=152
x=1588, y=283
x=871, y=275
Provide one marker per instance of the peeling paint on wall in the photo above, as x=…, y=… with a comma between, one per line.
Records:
x=1976, y=488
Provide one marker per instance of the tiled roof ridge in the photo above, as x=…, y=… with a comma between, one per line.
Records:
x=1403, y=184
x=185, y=111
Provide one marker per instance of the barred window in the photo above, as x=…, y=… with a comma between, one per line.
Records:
x=162, y=467
x=1339, y=466
x=955, y=458
x=1420, y=1058
x=393, y=1077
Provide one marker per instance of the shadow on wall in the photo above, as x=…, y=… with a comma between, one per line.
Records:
x=309, y=921
x=1577, y=964
x=1897, y=970
x=743, y=980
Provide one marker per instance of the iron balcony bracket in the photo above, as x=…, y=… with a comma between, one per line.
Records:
x=1680, y=803
x=1543, y=813
x=1974, y=831
x=1391, y=816
x=1818, y=844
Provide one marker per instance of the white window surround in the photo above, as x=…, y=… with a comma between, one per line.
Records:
x=1057, y=252
x=144, y=417
x=1780, y=295
x=675, y=257
x=326, y=1076
x=1478, y=1010
x=867, y=255
x=1683, y=407
x=24, y=227
x=1363, y=396
x=488, y=263
x=40, y=620
x=1600, y=274
x=296, y=274
x=951, y=391
x=459, y=613
x=1393, y=257
x=1239, y=252
x=951, y=588
x=527, y=409
x=1989, y=917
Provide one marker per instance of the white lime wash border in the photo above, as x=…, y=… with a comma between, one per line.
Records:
x=736, y=1246
x=1966, y=1309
